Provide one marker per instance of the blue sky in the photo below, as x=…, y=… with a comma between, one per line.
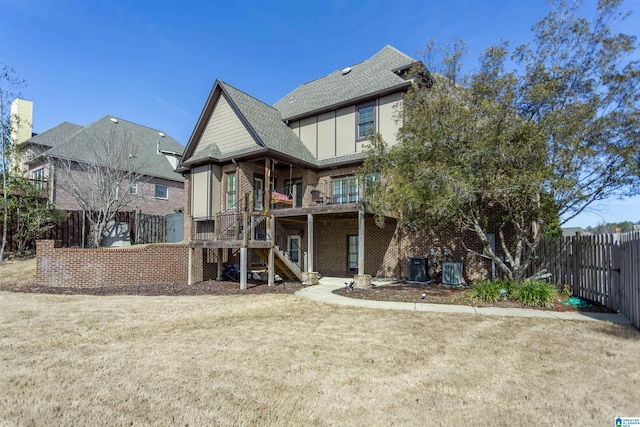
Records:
x=154, y=62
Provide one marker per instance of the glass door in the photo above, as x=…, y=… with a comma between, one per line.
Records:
x=295, y=251
x=258, y=194
x=352, y=257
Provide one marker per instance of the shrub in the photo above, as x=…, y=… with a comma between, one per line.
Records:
x=536, y=293
x=491, y=291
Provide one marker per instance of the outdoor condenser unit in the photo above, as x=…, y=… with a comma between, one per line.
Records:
x=452, y=273
x=417, y=269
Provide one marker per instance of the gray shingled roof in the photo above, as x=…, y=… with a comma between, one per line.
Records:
x=80, y=145
x=266, y=122
x=54, y=136
x=371, y=76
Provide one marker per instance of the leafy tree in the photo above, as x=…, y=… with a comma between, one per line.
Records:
x=9, y=86
x=530, y=148
x=33, y=213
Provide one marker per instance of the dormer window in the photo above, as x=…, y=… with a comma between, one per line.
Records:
x=366, y=120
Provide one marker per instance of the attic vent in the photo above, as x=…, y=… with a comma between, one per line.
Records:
x=161, y=134
x=346, y=70
x=113, y=120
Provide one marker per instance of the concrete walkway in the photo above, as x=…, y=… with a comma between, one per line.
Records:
x=324, y=293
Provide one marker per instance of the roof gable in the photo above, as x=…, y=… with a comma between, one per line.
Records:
x=233, y=123
x=371, y=77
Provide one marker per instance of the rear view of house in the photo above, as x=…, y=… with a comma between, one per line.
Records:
x=277, y=186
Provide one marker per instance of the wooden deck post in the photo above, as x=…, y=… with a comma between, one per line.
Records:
x=361, y=242
x=245, y=231
x=310, y=242
x=219, y=262
x=190, y=267
x=216, y=227
x=243, y=268
x=271, y=272
x=267, y=186
x=271, y=269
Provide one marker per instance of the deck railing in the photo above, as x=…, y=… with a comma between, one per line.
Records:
x=231, y=225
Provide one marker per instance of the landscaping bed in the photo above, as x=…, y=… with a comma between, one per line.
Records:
x=203, y=288
x=444, y=294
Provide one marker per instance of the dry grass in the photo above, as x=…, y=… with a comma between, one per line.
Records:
x=17, y=273
x=282, y=360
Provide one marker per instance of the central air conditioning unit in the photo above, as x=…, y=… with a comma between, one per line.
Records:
x=417, y=269
x=452, y=273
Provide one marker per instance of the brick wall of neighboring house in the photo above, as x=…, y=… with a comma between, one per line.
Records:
x=149, y=204
x=145, y=201
x=152, y=264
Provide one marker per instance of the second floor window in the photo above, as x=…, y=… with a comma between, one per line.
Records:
x=231, y=191
x=133, y=188
x=366, y=120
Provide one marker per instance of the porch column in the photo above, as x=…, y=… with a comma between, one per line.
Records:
x=271, y=273
x=361, y=242
x=310, y=242
x=219, y=262
x=271, y=269
x=267, y=185
x=243, y=268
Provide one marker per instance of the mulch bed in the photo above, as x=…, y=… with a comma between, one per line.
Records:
x=203, y=288
x=443, y=294
x=402, y=292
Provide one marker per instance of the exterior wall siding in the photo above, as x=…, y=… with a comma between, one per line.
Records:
x=225, y=130
x=389, y=107
x=333, y=133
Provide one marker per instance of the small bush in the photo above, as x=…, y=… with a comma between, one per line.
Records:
x=536, y=293
x=491, y=291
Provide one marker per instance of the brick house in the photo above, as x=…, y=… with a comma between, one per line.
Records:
x=275, y=187
x=159, y=192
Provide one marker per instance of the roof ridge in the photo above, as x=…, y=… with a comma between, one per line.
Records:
x=128, y=121
x=223, y=83
x=397, y=51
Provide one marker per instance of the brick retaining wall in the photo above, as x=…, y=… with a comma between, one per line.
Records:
x=145, y=264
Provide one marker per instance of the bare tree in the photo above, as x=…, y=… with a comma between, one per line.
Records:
x=102, y=178
x=9, y=86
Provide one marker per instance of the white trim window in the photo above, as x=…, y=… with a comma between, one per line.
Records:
x=366, y=121
x=162, y=192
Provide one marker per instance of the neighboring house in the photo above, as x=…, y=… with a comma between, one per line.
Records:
x=276, y=186
x=159, y=192
x=574, y=231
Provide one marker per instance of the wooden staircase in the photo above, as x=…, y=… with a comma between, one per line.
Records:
x=284, y=267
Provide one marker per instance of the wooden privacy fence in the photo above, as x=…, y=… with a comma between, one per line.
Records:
x=604, y=268
x=74, y=231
